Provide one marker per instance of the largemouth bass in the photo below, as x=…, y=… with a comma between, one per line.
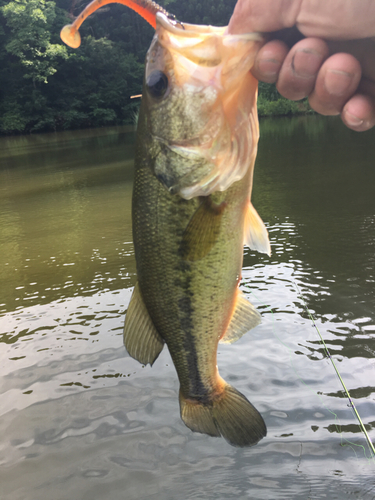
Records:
x=195, y=152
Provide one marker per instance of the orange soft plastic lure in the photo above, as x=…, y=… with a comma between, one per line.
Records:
x=145, y=8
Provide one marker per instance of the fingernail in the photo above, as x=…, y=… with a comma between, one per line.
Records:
x=337, y=82
x=269, y=67
x=352, y=120
x=306, y=63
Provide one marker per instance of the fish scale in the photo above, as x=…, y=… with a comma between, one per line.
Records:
x=195, y=152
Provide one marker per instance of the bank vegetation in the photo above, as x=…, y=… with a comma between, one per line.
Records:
x=46, y=86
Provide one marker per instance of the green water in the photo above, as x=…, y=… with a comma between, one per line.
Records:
x=80, y=419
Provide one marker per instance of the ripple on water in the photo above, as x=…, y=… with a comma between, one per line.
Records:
x=82, y=420
x=74, y=402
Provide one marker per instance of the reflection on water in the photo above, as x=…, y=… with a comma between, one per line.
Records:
x=65, y=221
x=81, y=419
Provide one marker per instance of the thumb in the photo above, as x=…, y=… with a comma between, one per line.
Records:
x=263, y=15
x=328, y=19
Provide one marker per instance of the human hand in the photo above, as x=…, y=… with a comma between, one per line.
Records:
x=334, y=65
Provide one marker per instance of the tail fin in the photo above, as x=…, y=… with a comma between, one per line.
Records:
x=231, y=415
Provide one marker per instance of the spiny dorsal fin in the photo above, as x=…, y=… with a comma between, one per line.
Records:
x=255, y=232
x=245, y=317
x=202, y=231
x=141, y=339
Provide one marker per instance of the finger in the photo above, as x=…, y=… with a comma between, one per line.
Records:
x=300, y=69
x=269, y=61
x=359, y=113
x=334, y=19
x=336, y=83
x=263, y=15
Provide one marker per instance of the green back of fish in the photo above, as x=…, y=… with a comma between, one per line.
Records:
x=189, y=257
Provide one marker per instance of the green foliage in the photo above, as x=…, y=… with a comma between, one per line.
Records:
x=271, y=103
x=13, y=119
x=29, y=23
x=279, y=107
x=215, y=12
x=96, y=83
x=47, y=86
x=268, y=91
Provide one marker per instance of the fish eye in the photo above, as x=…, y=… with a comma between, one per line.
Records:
x=157, y=84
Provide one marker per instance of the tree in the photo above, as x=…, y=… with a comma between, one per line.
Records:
x=30, y=22
x=28, y=59
x=45, y=85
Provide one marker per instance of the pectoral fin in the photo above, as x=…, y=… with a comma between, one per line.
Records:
x=256, y=234
x=141, y=339
x=202, y=231
x=245, y=317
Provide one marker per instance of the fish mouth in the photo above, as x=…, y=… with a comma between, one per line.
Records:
x=187, y=30
x=223, y=140
x=205, y=164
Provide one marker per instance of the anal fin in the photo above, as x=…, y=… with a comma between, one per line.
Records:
x=141, y=339
x=256, y=234
x=244, y=318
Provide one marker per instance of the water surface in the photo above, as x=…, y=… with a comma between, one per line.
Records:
x=81, y=419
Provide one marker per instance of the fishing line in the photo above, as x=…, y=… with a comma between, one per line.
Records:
x=346, y=392
x=337, y=420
